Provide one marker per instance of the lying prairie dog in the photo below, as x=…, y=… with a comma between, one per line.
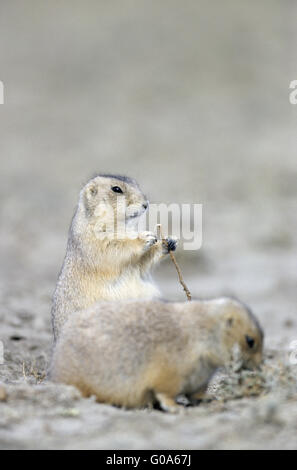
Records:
x=135, y=353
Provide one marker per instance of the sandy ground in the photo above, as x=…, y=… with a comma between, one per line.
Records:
x=192, y=100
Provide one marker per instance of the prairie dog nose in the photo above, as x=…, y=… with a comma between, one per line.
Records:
x=145, y=205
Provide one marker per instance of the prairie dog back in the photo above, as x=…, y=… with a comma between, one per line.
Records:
x=134, y=353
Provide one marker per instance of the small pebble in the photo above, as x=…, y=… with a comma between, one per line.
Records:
x=288, y=323
x=71, y=412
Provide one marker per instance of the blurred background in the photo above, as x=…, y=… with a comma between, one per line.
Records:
x=190, y=98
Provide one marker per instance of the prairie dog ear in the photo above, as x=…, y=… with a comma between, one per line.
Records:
x=229, y=321
x=91, y=190
x=89, y=196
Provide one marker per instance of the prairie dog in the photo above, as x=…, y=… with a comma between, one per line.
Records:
x=98, y=266
x=134, y=353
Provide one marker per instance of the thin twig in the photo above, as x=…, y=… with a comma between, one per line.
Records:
x=24, y=371
x=182, y=282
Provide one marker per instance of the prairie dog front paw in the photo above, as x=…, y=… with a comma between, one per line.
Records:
x=169, y=244
x=168, y=404
x=149, y=239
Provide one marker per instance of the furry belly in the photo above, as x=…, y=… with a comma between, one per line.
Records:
x=199, y=378
x=125, y=287
x=128, y=288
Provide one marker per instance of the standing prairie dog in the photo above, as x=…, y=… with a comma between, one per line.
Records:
x=134, y=353
x=98, y=265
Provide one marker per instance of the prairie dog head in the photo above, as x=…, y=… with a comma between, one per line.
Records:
x=241, y=333
x=111, y=202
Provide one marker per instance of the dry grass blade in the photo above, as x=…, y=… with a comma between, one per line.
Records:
x=182, y=282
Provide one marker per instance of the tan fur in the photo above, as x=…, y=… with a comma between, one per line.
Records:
x=97, y=265
x=132, y=353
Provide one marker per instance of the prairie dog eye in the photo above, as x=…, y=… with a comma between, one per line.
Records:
x=250, y=341
x=116, y=189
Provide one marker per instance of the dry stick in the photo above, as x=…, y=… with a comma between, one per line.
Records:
x=24, y=371
x=188, y=293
